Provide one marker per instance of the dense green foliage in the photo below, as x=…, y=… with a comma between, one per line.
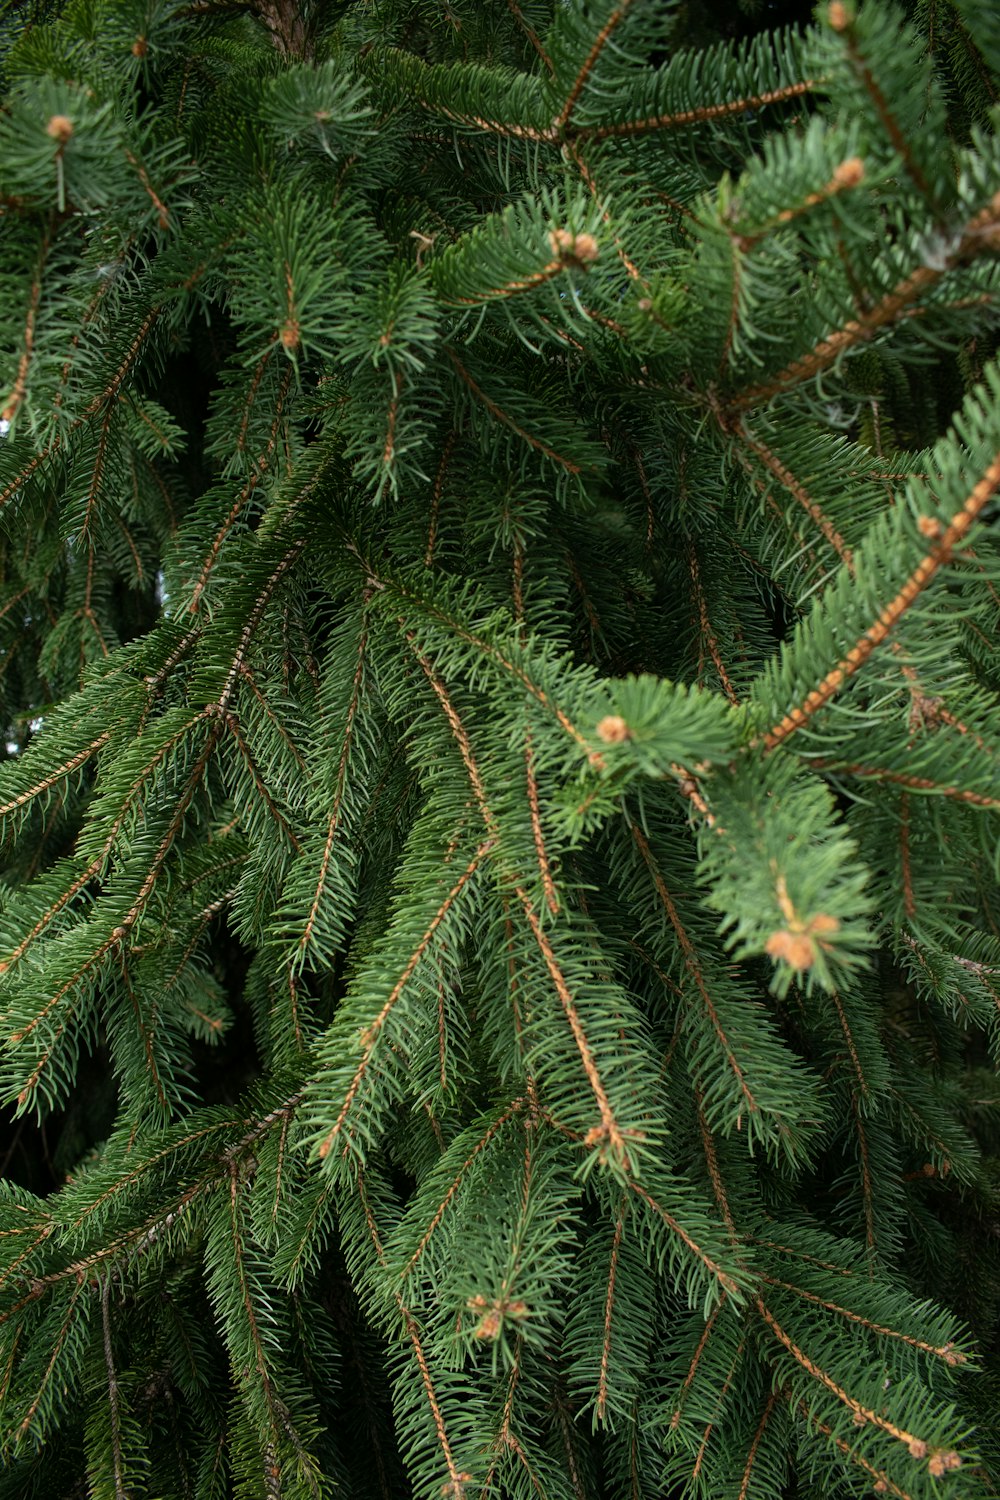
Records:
x=499, y=601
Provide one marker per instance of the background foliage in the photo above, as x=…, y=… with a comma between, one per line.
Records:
x=498, y=608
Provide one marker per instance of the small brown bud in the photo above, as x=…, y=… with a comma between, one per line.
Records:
x=822, y=924
x=794, y=947
x=570, y=246
x=140, y=47
x=936, y=1465
x=849, y=173
x=880, y=1487
x=489, y=1328
x=60, y=128
x=290, y=335
x=929, y=526
x=859, y=1419
x=918, y=1448
x=837, y=15
x=585, y=248
x=613, y=730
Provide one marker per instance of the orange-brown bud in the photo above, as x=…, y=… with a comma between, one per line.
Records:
x=579, y=247
x=60, y=128
x=849, y=173
x=613, y=730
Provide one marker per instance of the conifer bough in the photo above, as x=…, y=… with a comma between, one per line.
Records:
x=499, y=596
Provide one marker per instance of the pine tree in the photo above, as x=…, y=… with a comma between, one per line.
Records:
x=499, y=575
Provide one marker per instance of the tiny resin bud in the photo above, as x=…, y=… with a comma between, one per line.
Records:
x=613, y=729
x=569, y=246
x=849, y=173
x=60, y=128
x=794, y=947
x=837, y=15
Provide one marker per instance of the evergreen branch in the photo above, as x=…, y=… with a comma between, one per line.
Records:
x=492, y=1129
x=867, y=1196
x=698, y=116
x=609, y=1304
x=173, y=829
x=61, y=1337
x=272, y=717
x=495, y=653
x=338, y=793
x=260, y=785
x=529, y=32
x=712, y=1163
x=863, y=1084
x=20, y=387
x=109, y=1363
x=946, y=1352
x=374, y=1029
x=824, y=1265
x=253, y=620
x=25, y=1256
x=172, y=1147
x=916, y=1446
x=798, y=491
x=538, y=278
x=755, y=1444
x=724, y=1280
x=461, y=735
x=17, y=483
x=882, y=1483
x=497, y=411
x=692, y=965
x=720, y=1399
x=918, y=580
x=97, y=863
x=59, y=774
x=92, y=493
x=439, y=479
x=455, y=1488
x=692, y=1369
x=147, y=1032
x=104, y=397
x=251, y=400
x=504, y=1438
x=580, y=82
x=110, y=391
x=891, y=125
x=257, y=474
x=608, y=219
x=537, y=833
x=707, y=633
x=163, y=213
x=901, y=778
x=608, y=1133
x=894, y=304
